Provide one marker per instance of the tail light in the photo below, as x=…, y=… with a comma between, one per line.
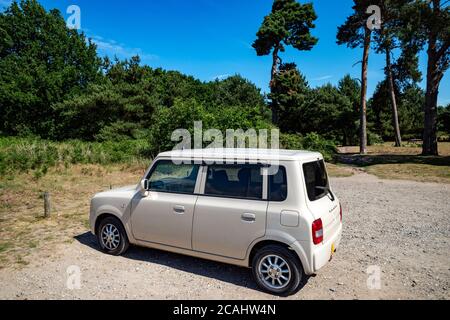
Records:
x=317, y=231
x=340, y=213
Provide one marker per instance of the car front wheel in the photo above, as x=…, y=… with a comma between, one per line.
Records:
x=277, y=270
x=112, y=237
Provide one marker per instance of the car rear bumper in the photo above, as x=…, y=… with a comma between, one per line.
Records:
x=314, y=257
x=323, y=253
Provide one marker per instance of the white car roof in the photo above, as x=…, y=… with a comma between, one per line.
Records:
x=244, y=154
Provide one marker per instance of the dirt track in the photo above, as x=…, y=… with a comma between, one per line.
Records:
x=402, y=227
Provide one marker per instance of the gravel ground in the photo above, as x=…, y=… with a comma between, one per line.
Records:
x=400, y=227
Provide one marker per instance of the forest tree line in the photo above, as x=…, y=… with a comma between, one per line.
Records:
x=53, y=85
x=385, y=26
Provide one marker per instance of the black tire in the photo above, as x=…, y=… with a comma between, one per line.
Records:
x=116, y=248
x=291, y=260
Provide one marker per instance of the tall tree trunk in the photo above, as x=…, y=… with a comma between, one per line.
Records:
x=430, y=146
x=273, y=73
x=363, y=117
x=274, y=70
x=390, y=79
x=435, y=71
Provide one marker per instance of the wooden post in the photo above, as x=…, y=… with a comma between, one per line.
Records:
x=47, y=205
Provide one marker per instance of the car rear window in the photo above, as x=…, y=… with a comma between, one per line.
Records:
x=235, y=181
x=316, y=180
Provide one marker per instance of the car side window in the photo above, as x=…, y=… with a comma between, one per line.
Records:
x=169, y=177
x=278, y=186
x=235, y=181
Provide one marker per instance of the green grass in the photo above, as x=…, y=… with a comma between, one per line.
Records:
x=23, y=229
x=5, y=246
x=339, y=171
x=404, y=163
x=32, y=244
x=72, y=171
x=23, y=154
x=411, y=171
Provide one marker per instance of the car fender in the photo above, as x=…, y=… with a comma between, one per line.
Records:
x=278, y=236
x=122, y=214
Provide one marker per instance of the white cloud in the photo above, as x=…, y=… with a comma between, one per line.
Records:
x=323, y=78
x=220, y=76
x=112, y=48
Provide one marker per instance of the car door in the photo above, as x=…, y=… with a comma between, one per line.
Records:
x=165, y=215
x=321, y=200
x=231, y=212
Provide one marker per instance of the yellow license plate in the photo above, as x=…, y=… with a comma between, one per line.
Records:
x=333, y=249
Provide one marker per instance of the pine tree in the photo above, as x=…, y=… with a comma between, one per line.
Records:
x=427, y=24
x=355, y=33
x=288, y=24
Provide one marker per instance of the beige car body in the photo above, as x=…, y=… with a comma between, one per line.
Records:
x=214, y=228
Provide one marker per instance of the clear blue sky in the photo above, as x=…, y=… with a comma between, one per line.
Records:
x=212, y=38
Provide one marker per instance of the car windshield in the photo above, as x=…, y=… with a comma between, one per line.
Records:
x=316, y=180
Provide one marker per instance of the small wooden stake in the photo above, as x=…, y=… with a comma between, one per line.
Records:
x=47, y=205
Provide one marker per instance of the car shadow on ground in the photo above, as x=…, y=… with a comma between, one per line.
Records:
x=238, y=276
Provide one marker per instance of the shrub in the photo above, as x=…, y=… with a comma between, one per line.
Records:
x=443, y=137
x=311, y=142
x=315, y=142
x=373, y=139
x=291, y=141
x=183, y=114
x=20, y=154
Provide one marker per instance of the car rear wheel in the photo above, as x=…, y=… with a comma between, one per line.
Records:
x=277, y=270
x=112, y=237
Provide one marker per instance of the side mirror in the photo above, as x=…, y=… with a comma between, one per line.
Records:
x=144, y=187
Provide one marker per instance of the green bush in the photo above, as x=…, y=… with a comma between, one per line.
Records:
x=183, y=114
x=20, y=154
x=373, y=138
x=315, y=142
x=291, y=141
x=444, y=123
x=311, y=142
x=443, y=136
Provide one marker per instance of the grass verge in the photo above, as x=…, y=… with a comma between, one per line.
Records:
x=405, y=163
x=339, y=170
x=23, y=228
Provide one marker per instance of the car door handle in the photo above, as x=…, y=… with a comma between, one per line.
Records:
x=179, y=209
x=248, y=217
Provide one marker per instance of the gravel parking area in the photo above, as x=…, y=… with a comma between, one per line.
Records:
x=400, y=228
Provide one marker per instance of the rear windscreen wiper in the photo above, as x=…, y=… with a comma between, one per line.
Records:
x=328, y=190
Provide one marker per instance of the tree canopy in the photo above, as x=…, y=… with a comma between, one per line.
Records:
x=41, y=62
x=288, y=24
x=54, y=85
